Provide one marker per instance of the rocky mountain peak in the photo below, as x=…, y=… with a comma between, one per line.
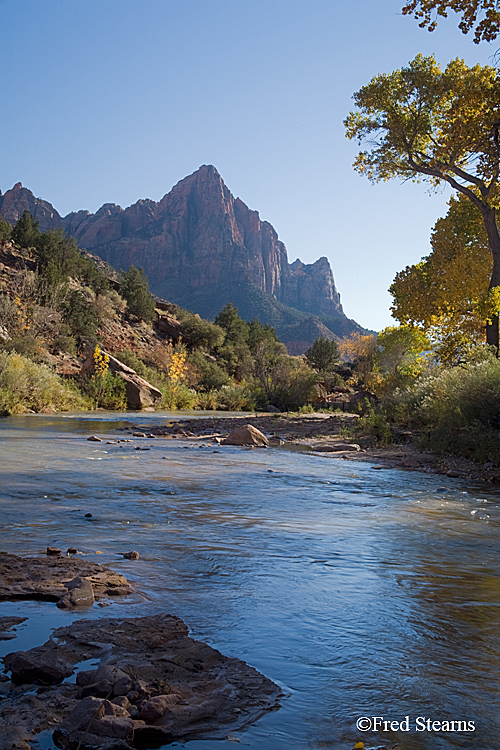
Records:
x=197, y=238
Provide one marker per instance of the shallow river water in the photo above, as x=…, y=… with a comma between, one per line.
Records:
x=361, y=592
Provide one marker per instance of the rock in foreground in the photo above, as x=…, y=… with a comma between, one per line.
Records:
x=153, y=685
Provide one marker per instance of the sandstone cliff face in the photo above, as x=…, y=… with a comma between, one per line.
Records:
x=198, y=234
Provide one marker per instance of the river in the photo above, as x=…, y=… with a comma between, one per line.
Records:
x=361, y=592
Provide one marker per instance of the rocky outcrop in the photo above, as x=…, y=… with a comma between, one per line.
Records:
x=153, y=684
x=200, y=239
x=52, y=578
x=18, y=200
x=140, y=394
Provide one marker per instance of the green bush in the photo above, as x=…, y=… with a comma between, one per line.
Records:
x=28, y=346
x=27, y=386
x=105, y=391
x=202, y=332
x=457, y=410
x=211, y=375
x=177, y=396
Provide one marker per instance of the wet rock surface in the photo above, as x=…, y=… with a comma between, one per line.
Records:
x=152, y=684
x=6, y=625
x=75, y=580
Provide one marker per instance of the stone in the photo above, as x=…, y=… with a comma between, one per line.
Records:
x=36, y=666
x=330, y=447
x=134, y=555
x=182, y=688
x=155, y=707
x=72, y=551
x=94, y=722
x=273, y=409
x=246, y=435
x=46, y=578
x=94, y=439
x=6, y=623
x=80, y=594
x=54, y=551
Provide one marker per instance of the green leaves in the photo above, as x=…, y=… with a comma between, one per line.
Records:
x=422, y=121
x=487, y=28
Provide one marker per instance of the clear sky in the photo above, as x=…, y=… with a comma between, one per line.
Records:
x=109, y=101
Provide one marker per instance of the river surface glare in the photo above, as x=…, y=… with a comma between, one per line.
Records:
x=361, y=592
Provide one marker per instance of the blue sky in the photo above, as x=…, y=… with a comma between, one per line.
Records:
x=111, y=101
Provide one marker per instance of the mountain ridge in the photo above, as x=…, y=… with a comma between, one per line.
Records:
x=199, y=237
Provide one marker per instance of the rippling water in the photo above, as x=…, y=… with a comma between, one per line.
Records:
x=361, y=592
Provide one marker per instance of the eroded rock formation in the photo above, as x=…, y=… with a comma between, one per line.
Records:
x=153, y=684
x=201, y=248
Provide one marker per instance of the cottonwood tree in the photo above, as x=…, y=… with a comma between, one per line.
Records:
x=445, y=294
x=423, y=123
x=481, y=15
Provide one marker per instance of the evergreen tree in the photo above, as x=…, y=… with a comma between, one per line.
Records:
x=5, y=229
x=26, y=232
x=134, y=288
x=323, y=354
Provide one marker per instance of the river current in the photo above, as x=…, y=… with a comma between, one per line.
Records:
x=361, y=592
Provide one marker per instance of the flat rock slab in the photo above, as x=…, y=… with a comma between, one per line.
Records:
x=6, y=624
x=334, y=447
x=46, y=578
x=152, y=684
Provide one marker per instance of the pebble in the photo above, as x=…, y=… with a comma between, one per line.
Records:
x=139, y=434
x=54, y=551
x=131, y=555
x=94, y=439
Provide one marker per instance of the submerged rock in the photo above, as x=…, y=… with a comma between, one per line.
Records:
x=154, y=685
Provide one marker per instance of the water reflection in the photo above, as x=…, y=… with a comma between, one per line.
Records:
x=361, y=592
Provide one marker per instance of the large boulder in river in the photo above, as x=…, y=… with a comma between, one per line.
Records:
x=139, y=392
x=246, y=435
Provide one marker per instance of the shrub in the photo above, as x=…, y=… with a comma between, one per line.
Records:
x=28, y=346
x=105, y=391
x=211, y=376
x=25, y=386
x=201, y=332
x=457, y=410
x=80, y=314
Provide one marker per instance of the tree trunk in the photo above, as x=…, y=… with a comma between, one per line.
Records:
x=491, y=226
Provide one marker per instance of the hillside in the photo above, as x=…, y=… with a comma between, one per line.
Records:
x=200, y=248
